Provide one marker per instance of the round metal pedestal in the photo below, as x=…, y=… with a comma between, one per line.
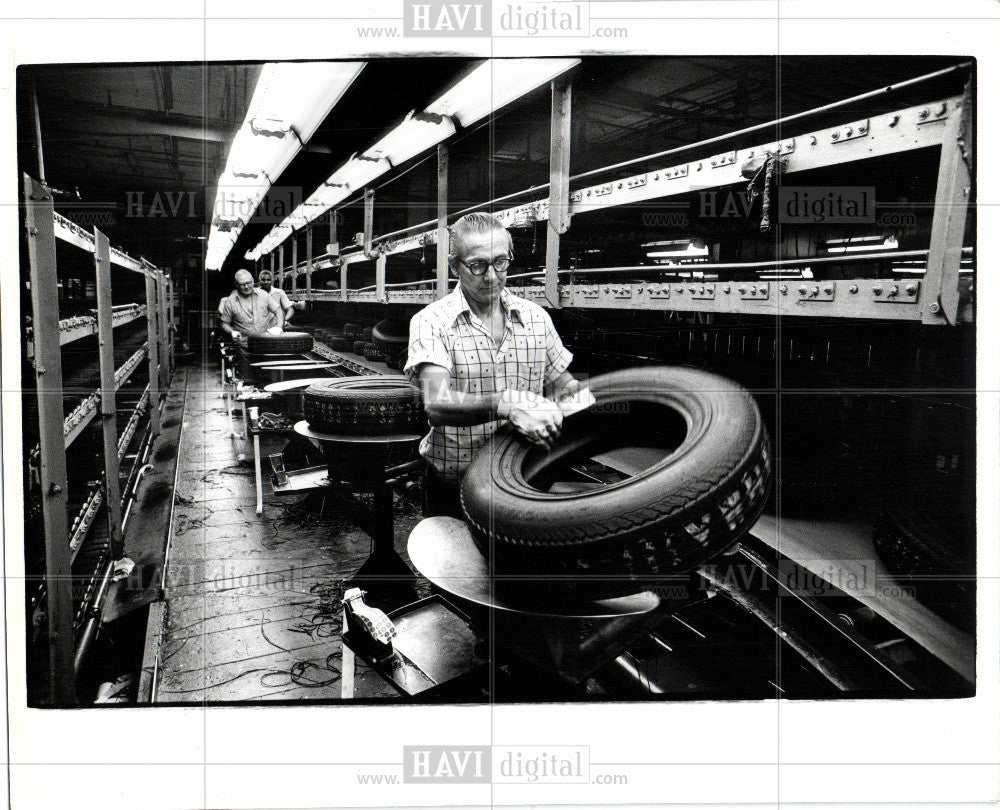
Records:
x=362, y=461
x=569, y=637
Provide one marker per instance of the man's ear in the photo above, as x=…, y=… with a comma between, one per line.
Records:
x=451, y=267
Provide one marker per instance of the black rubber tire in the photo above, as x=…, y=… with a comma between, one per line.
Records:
x=340, y=344
x=925, y=532
x=374, y=405
x=372, y=353
x=927, y=536
x=391, y=336
x=359, y=347
x=693, y=503
x=285, y=343
x=352, y=330
x=396, y=361
x=366, y=333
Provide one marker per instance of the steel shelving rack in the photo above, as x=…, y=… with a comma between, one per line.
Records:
x=81, y=550
x=939, y=297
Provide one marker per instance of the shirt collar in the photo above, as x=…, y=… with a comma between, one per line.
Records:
x=458, y=304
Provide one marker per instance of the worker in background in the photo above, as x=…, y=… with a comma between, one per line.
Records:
x=482, y=357
x=249, y=311
x=265, y=278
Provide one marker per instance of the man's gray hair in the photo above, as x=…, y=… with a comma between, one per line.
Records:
x=477, y=222
x=243, y=274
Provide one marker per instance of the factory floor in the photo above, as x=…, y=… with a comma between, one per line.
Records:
x=253, y=601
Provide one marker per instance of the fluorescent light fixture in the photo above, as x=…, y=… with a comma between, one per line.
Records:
x=359, y=172
x=495, y=83
x=687, y=250
x=410, y=138
x=888, y=243
x=289, y=103
x=492, y=84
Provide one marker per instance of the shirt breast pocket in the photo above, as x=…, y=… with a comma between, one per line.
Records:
x=535, y=362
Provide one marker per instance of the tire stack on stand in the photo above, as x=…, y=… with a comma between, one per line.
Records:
x=263, y=347
x=669, y=468
x=375, y=405
x=391, y=338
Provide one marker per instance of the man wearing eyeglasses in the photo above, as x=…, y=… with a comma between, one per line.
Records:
x=482, y=356
x=248, y=310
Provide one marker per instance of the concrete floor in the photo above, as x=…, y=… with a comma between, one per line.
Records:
x=253, y=602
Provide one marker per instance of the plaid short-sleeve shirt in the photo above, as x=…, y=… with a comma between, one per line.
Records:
x=251, y=315
x=447, y=333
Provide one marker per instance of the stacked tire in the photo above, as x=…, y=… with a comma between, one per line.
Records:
x=374, y=405
x=391, y=339
x=262, y=347
x=701, y=483
x=372, y=353
x=927, y=536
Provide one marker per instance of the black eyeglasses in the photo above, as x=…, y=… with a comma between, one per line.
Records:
x=499, y=264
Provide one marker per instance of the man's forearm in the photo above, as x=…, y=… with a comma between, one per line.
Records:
x=562, y=385
x=460, y=409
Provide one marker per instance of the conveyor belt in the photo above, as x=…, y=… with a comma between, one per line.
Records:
x=843, y=553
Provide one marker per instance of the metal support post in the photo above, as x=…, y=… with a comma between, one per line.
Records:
x=442, y=221
x=38, y=134
x=171, y=323
x=309, y=258
x=166, y=365
x=51, y=442
x=369, y=220
x=281, y=265
x=380, y=279
x=559, y=214
x=109, y=410
x=272, y=264
x=295, y=261
x=951, y=205
x=153, y=355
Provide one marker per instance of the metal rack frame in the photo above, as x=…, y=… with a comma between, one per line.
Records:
x=937, y=298
x=58, y=431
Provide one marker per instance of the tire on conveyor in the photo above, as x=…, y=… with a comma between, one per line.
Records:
x=927, y=536
x=391, y=336
x=340, y=344
x=688, y=505
x=370, y=405
x=372, y=353
x=352, y=330
x=285, y=343
x=396, y=361
x=359, y=347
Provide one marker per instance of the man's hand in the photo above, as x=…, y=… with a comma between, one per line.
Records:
x=235, y=335
x=536, y=418
x=274, y=330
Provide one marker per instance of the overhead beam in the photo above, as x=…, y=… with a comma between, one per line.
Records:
x=136, y=121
